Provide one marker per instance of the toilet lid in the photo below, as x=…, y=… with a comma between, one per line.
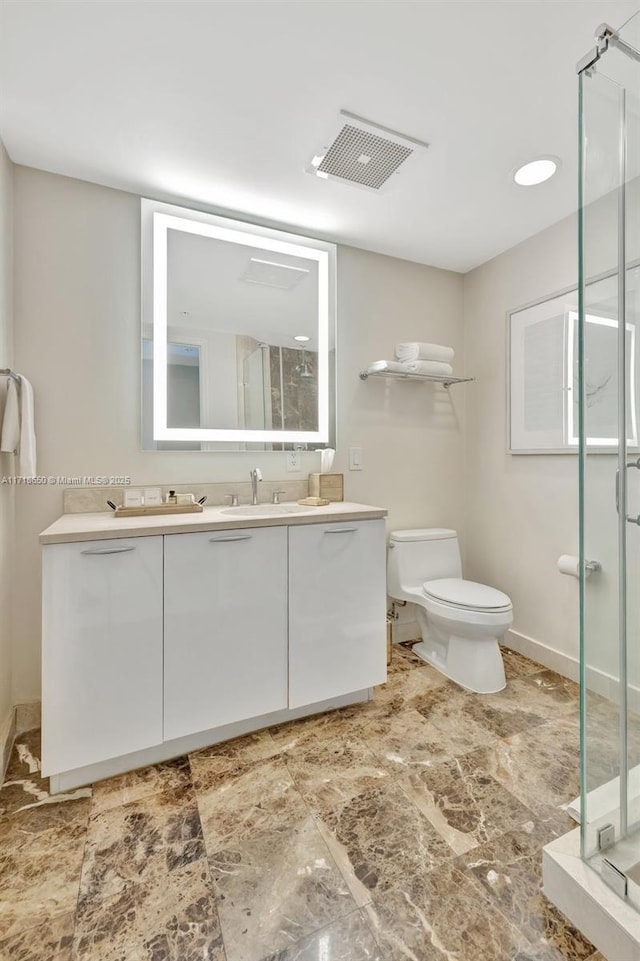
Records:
x=477, y=597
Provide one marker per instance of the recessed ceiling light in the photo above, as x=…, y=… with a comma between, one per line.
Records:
x=302, y=338
x=536, y=172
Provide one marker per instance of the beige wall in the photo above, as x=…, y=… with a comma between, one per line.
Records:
x=76, y=308
x=411, y=433
x=77, y=312
x=6, y=461
x=521, y=511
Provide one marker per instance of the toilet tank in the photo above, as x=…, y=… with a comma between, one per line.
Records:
x=417, y=556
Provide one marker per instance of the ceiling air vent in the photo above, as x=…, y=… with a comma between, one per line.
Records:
x=363, y=153
x=273, y=274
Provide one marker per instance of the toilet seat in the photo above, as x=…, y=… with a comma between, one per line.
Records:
x=459, y=594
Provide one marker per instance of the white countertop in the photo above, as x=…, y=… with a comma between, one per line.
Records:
x=104, y=526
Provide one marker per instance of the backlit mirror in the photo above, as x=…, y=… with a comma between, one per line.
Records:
x=238, y=336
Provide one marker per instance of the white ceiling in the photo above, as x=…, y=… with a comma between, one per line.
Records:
x=222, y=104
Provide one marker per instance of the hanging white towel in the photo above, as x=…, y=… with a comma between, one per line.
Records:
x=417, y=351
x=427, y=367
x=10, y=436
x=27, y=447
x=18, y=433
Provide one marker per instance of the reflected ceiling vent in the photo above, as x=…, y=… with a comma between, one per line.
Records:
x=272, y=274
x=363, y=153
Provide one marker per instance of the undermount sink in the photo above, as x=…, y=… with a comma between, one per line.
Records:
x=264, y=510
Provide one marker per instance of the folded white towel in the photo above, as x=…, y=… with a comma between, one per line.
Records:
x=389, y=365
x=18, y=434
x=417, y=351
x=427, y=367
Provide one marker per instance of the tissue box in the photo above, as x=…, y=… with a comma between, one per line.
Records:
x=330, y=486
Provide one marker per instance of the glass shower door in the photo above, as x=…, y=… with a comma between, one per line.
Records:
x=609, y=464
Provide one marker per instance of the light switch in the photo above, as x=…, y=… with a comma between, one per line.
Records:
x=355, y=458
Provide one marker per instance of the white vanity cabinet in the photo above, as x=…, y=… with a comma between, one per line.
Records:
x=157, y=644
x=102, y=650
x=337, y=609
x=225, y=636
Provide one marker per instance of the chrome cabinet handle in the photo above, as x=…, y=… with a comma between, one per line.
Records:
x=109, y=550
x=224, y=540
x=631, y=519
x=341, y=530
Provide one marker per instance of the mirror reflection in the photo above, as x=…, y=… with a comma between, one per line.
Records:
x=238, y=343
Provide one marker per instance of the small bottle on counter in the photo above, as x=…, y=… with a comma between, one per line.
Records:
x=171, y=498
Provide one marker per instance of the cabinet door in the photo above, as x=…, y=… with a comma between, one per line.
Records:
x=102, y=650
x=337, y=609
x=225, y=642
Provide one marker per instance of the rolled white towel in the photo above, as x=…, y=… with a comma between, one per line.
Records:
x=427, y=367
x=417, y=351
x=392, y=366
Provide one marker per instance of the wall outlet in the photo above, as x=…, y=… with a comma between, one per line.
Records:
x=293, y=460
x=355, y=458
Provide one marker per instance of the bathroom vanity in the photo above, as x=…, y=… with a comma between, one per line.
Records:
x=162, y=635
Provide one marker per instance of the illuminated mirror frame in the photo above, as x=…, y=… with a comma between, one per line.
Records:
x=157, y=219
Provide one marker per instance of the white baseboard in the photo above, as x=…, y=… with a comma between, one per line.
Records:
x=598, y=681
x=608, y=686
x=555, y=660
x=7, y=737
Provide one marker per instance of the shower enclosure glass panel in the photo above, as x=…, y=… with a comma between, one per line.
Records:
x=256, y=388
x=609, y=473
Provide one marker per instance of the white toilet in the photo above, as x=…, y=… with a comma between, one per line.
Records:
x=461, y=622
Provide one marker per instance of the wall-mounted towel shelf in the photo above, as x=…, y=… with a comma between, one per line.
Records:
x=445, y=379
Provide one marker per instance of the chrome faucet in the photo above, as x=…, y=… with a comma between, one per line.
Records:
x=255, y=476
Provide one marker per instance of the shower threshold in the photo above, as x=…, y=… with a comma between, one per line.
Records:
x=572, y=885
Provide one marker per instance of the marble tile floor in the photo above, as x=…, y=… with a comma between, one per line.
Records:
x=409, y=828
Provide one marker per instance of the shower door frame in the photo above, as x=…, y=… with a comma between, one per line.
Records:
x=605, y=38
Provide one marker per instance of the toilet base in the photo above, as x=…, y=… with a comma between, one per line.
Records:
x=473, y=663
